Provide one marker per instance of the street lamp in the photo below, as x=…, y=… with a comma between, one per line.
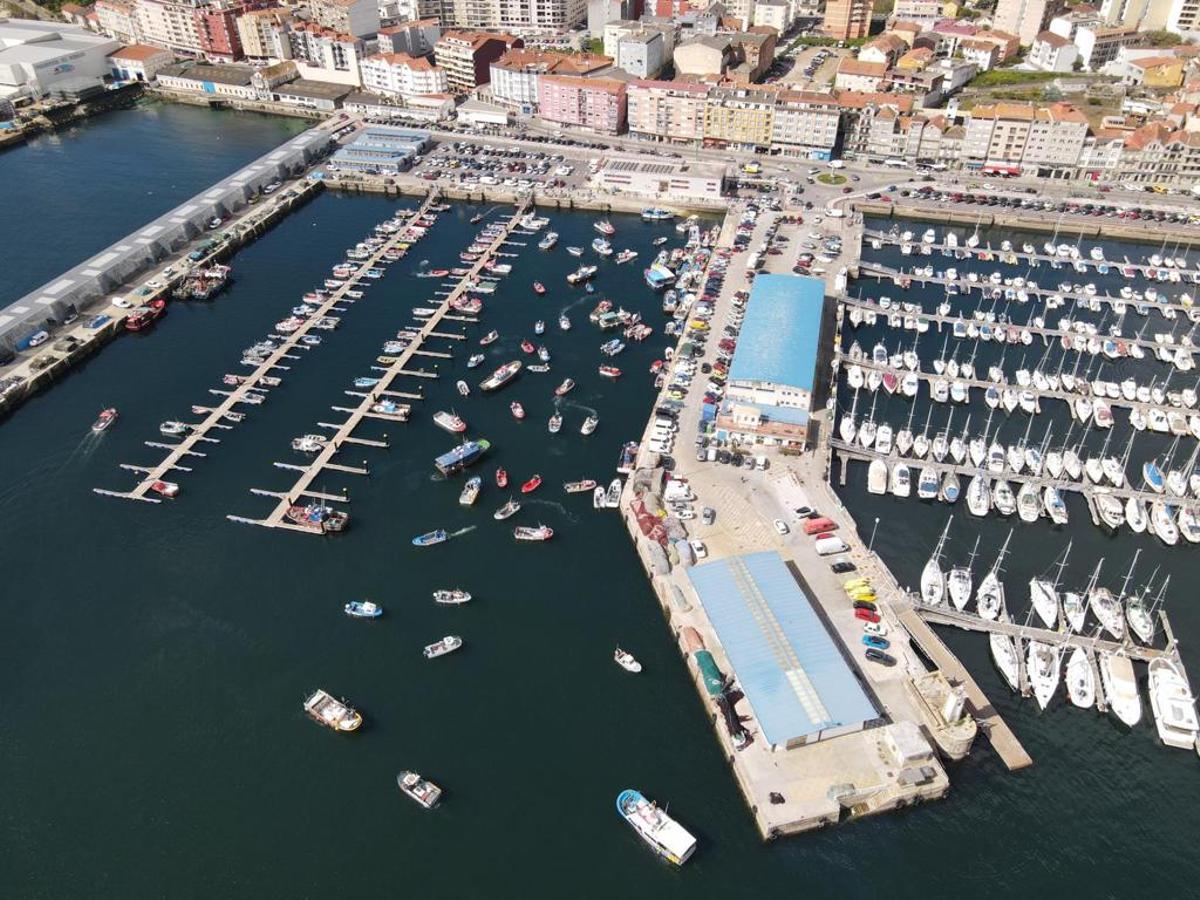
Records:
x=871, y=543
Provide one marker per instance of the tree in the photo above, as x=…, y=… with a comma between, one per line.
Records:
x=1163, y=39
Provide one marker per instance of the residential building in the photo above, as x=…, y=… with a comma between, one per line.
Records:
x=215, y=79
x=739, y=117
x=641, y=53
x=703, y=56
x=117, y=19
x=216, y=26
x=416, y=37
x=514, y=76
x=324, y=55
x=597, y=104
x=885, y=49
x=267, y=78
x=755, y=52
x=357, y=18
x=168, y=23
x=916, y=60
x=906, y=31
x=671, y=111
x=1155, y=154
x=847, y=20
x=255, y=33
x=1156, y=71
x=982, y=53
x=44, y=58
x=1143, y=15
x=923, y=12
x=467, y=56
x=949, y=35
x=775, y=14
x=601, y=12
x=806, y=124
x=653, y=179
x=928, y=86
x=523, y=17
x=1007, y=45
x=1052, y=53
x=401, y=75
x=138, y=62
x=1098, y=44
x=1026, y=18
x=854, y=75
x=1010, y=138
x=1184, y=17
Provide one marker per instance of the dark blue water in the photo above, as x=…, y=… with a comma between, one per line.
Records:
x=154, y=658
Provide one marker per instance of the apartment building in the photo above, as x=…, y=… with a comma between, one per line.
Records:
x=255, y=28
x=1098, y=44
x=669, y=111
x=416, y=37
x=516, y=16
x=467, y=56
x=855, y=75
x=117, y=19
x=1052, y=53
x=847, y=20
x=923, y=12
x=322, y=54
x=1026, y=18
x=216, y=26
x=641, y=52
x=1156, y=154
x=401, y=75
x=1011, y=138
x=597, y=104
x=739, y=117
x=357, y=18
x=168, y=23
x=806, y=124
x=515, y=75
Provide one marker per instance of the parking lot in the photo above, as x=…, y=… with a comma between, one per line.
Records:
x=474, y=165
x=1033, y=200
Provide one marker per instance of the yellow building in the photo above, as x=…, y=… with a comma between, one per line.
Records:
x=1158, y=71
x=739, y=117
x=951, y=9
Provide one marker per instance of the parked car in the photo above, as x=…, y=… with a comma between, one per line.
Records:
x=867, y=615
x=842, y=566
x=880, y=657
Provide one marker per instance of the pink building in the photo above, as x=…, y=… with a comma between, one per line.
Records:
x=595, y=103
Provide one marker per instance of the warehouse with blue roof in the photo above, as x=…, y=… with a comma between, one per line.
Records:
x=791, y=669
x=780, y=367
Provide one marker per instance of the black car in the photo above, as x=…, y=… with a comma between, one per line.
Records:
x=864, y=604
x=844, y=566
x=880, y=657
x=723, y=457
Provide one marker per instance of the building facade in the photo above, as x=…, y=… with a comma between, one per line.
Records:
x=170, y=24
x=806, y=124
x=1026, y=18
x=358, y=18
x=324, y=55
x=847, y=20
x=255, y=29
x=138, y=62
x=401, y=75
x=739, y=117
x=467, y=57
x=597, y=104
x=668, y=111
x=117, y=19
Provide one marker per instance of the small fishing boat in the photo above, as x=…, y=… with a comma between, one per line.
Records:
x=518, y=411
x=448, y=644
x=463, y=388
x=543, y=354
x=470, y=491
x=363, y=609
x=449, y=421
x=605, y=227
x=309, y=443
x=105, y=419
x=664, y=835
x=174, y=429
x=565, y=387
x=578, y=487
x=610, y=372
x=555, y=423
x=526, y=346
x=488, y=338
x=324, y=709
x=168, y=489
x=539, y=327
x=626, y=661
x=430, y=538
x=420, y=789
x=539, y=288
x=527, y=533
x=501, y=478
x=589, y=425
x=531, y=485
x=575, y=251
x=451, y=596
x=506, y=510
x=564, y=323
x=474, y=360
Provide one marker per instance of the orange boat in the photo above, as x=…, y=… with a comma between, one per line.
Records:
x=531, y=485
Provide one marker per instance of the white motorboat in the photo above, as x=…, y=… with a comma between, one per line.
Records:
x=877, y=477
x=626, y=661
x=1173, y=705
x=901, y=480
x=1120, y=687
x=1081, y=683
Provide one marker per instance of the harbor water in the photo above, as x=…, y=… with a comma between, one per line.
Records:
x=153, y=659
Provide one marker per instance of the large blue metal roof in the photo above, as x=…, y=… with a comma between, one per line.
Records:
x=781, y=331
x=789, y=666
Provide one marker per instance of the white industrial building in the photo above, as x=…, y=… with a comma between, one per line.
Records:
x=660, y=178
x=42, y=58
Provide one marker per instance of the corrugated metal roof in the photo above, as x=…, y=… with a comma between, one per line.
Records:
x=781, y=331
x=791, y=669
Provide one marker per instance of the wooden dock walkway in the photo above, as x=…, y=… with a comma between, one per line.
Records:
x=215, y=416
x=343, y=434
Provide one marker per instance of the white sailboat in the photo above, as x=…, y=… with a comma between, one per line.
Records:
x=933, y=581
x=960, y=583
x=1004, y=655
x=1042, y=663
x=1043, y=593
x=1081, y=683
x=989, y=600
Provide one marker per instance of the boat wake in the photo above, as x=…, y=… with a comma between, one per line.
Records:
x=587, y=409
x=554, y=505
x=462, y=531
x=570, y=306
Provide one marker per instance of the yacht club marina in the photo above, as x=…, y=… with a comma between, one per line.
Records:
x=910, y=721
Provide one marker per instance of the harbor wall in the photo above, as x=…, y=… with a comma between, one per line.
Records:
x=166, y=236
x=66, y=114
x=1093, y=227
x=262, y=106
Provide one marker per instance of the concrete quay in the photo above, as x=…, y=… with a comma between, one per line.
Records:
x=842, y=777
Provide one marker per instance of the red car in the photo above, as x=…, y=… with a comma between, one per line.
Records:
x=866, y=615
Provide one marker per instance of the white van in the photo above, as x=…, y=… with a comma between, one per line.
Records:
x=829, y=546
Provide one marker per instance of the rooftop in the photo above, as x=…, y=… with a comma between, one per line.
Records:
x=792, y=671
x=317, y=90
x=139, y=52
x=215, y=74
x=781, y=331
